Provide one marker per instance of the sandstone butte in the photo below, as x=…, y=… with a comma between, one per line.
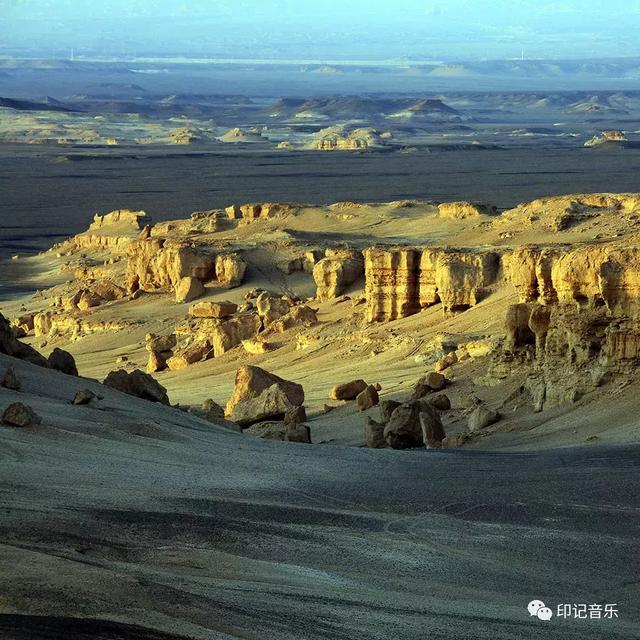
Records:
x=531, y=308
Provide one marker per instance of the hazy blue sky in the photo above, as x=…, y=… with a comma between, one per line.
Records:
x=325, y=29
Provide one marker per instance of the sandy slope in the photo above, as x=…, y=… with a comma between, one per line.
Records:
x=144, y=515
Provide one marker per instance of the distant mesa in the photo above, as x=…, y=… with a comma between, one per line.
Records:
x=337, y=138
x=240, y=135
x=606, y=137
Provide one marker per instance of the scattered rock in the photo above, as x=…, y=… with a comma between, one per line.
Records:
x=259, y=395
x=441, y=402
x=222, y=309
x=10, y=380
x=62, y=361
x=297, y=433
x=20, y=415
x=271, y=307
x=188, y=289
x=212, y=410
x=404, y=430
x=84, y=396
x=482, y=417
x=137, y=383
x=348, y=390
x=446, y=361
x=374, y=435
x=195, y=352
x=367, y=398
x=432, y=429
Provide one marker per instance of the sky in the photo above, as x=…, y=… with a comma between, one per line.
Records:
x=323, y=29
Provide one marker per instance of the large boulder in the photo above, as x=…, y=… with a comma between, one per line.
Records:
x=230, y=269
x=20, y=415
x=367, y=398
x=62, y=361
x=259, y=395
x=137, y=383
x=404, y=429
x=188, y=289
x=348, y=390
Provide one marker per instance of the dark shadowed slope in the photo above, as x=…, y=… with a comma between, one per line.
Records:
x=145, y=515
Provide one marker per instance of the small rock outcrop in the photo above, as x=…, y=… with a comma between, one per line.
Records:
x=137, y=383
x=404, y=429
x=11, y=346
x=230, y=269
x=336, y=271
x=10, y=380
x=20, y=415
x=259, y=395
x=221, y=309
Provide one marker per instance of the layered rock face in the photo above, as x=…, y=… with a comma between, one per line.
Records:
x=263, y=210
x=577, y=318
x=134, y=220
x=401, y=281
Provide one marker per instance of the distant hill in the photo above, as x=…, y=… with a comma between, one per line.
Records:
x=50, y=104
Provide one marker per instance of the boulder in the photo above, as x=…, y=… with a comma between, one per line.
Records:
x=259, y=395
x=212, y=410
x=374, y=434
x=10, y=380
x=221, y=309
x=271, y=307
x=432, y=429
x=348, y=390
x=433, y=381
x=404, y=429
x=446, y=361
x=137, y=383
x=230, y=269
x=195, y=352
x=157, y=343
x=188, y=289
x=158, y=361
x=84, y=396
x=297, y=415
x=367, y=398
x=387, y=407
x=20, y=415
x=481, y=417
x=441, y=402
x=62, y=361
x=227, y=334
x=257, y=346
